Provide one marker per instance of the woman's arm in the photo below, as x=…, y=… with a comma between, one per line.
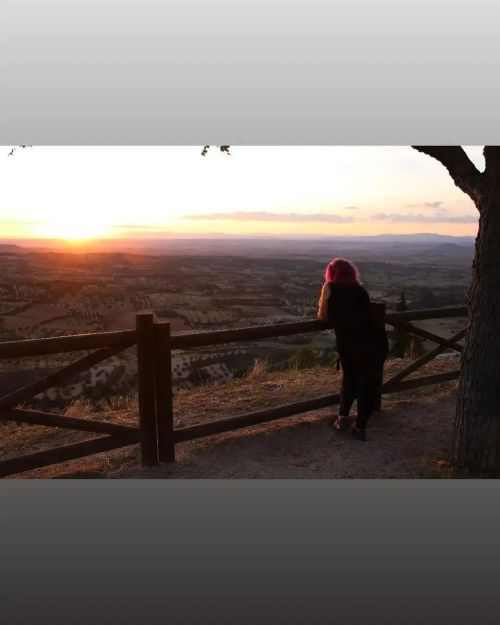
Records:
x=323, y=302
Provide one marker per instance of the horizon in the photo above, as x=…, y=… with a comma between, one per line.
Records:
x=91, y=195
x=228, y=244
x=162, y=236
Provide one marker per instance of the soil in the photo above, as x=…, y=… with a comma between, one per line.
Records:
x=409, y=438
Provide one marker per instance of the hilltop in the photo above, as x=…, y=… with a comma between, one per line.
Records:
x=409, y=438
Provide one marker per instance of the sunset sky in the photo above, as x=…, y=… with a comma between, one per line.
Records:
x=96, y=192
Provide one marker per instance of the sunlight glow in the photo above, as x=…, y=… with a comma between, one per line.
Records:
x=163, y=191
x=73, y=230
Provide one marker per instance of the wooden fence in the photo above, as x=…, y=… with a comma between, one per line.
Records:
x=155, y=431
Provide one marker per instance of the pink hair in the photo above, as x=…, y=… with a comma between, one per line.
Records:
x=341, y=271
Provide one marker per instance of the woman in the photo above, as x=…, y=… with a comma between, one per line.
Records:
x=361, y=343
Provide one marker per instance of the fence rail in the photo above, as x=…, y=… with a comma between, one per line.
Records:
x=155, y=431
x=189, y=340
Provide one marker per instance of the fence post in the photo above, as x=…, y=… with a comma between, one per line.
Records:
x=146, y=386
x=378, y=311
x=164, y=399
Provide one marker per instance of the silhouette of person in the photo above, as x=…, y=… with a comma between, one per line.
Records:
x=362, y=344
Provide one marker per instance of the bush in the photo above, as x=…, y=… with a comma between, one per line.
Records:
x=303, y=358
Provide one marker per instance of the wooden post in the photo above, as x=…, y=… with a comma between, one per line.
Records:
x=146, y=387
x=378, y=311
x=164, y=400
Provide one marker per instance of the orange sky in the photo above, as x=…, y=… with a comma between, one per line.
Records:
x=79, y=193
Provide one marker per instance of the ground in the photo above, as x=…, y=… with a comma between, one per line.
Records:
x=409, y=438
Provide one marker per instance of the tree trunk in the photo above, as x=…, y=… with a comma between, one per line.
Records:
x=476, y=439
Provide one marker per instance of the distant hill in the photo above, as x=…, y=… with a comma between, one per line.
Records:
x=417, y=238
x=22, y=247
x=425, y=237
x=10, y=248
x=252, y=245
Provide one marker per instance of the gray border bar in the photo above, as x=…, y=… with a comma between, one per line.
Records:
x=290, y=551
x=264, y=72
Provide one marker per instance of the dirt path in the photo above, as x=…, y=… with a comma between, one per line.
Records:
x=406, y=440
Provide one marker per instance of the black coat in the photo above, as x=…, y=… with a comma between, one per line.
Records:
x=360, y=340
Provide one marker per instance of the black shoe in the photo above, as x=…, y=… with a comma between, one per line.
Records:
x=359, y=433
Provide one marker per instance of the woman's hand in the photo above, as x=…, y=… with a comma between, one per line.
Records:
x=323, y=303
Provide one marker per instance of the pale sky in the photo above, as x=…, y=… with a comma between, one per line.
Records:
x=87, y=192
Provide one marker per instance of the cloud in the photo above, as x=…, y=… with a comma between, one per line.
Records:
x=269, y=216
x=420, y=218
x=153, y=228
x=432, y=205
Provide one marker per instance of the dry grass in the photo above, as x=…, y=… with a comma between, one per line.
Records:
x=258, y=371
x=124, y=403
x=79, y=408
x=259, y=389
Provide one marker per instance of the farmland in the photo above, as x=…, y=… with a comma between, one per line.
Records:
x=47, y=293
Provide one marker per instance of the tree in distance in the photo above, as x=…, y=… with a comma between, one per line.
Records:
x=401, y=340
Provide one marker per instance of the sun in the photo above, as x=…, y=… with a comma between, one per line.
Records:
x=70, y=229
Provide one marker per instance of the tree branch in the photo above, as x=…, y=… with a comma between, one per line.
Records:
x=222, y=148
x=492, y=158
x=11, y=153
x=463, y=171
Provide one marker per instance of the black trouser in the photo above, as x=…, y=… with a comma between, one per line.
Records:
x=360, y=382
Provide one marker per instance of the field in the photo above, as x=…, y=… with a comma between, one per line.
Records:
x=46, y=293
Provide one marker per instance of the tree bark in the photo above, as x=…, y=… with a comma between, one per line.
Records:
x=476, y=435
